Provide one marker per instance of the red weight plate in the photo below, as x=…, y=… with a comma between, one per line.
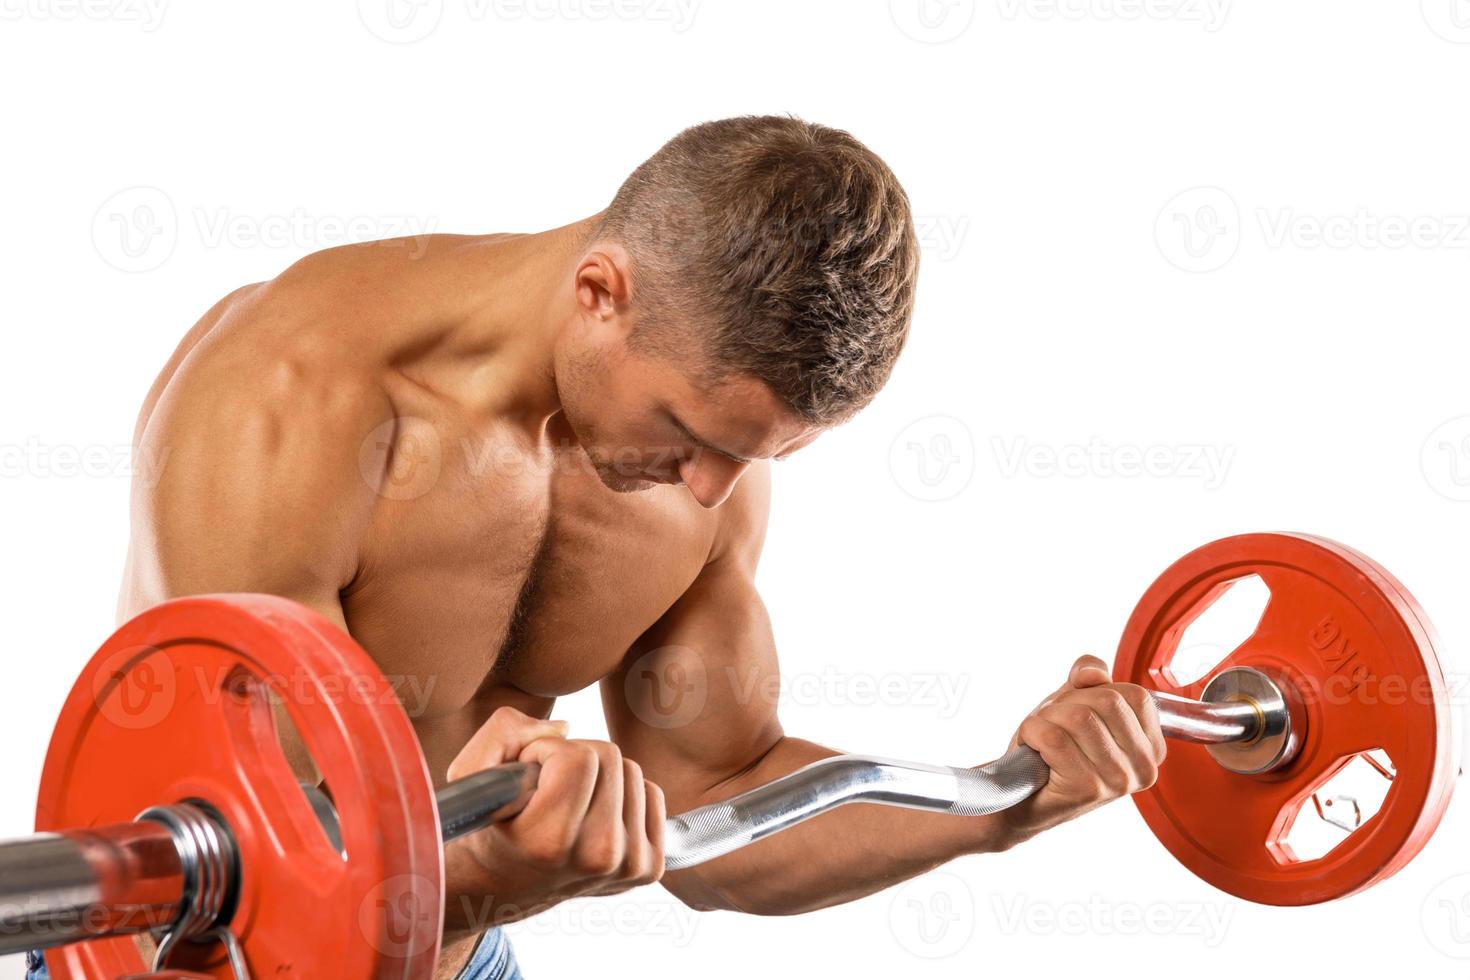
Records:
x=1361, y=654
x=176, y=706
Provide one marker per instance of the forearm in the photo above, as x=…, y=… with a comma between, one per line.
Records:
x=843, y=855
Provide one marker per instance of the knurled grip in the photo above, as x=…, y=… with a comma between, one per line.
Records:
x=1001, y=784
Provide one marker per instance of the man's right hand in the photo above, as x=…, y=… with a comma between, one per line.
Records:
x=1101, y=741
x=594, y=826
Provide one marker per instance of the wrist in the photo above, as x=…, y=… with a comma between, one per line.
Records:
x=474, y=894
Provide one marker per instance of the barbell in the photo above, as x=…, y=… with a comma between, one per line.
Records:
x=167, y=804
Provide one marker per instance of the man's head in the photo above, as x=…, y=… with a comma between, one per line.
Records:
x=750, y=285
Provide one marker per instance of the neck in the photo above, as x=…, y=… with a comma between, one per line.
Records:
x=511, y=334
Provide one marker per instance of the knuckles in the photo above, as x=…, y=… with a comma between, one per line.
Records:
x=1076, y=717
x=1112, y=700
x=507, y=717
x=654, y=795
x=1137, y=698
x=1043, y=736
x=1076, y=733
x=578, y=761
x=547, y=854
x=601, y=856
x=1116, y=779
x=608, y=852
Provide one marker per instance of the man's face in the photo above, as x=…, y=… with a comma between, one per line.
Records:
x=645, y=419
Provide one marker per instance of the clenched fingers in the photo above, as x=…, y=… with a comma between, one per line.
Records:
x=1116, y=729
x=502, y=738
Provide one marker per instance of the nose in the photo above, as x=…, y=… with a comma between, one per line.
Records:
x=710, y=477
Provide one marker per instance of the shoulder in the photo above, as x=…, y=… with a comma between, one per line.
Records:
x=371, y=299
x=232, y=379
x=302, y=347
x=258, y=469
x=248, y=403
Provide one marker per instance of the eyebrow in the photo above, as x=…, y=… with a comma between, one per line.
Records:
x=704, y=444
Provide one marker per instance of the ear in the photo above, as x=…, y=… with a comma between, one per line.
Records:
x=604, y=282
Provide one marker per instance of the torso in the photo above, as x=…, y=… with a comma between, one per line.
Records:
x=495, y=567
x=517, y=577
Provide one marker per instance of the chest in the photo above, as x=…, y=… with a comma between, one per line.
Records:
x=497, y=562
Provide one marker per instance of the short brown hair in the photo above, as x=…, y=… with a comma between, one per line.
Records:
x=793, y=240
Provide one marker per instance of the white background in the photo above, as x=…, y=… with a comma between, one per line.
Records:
x=1055, y=156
